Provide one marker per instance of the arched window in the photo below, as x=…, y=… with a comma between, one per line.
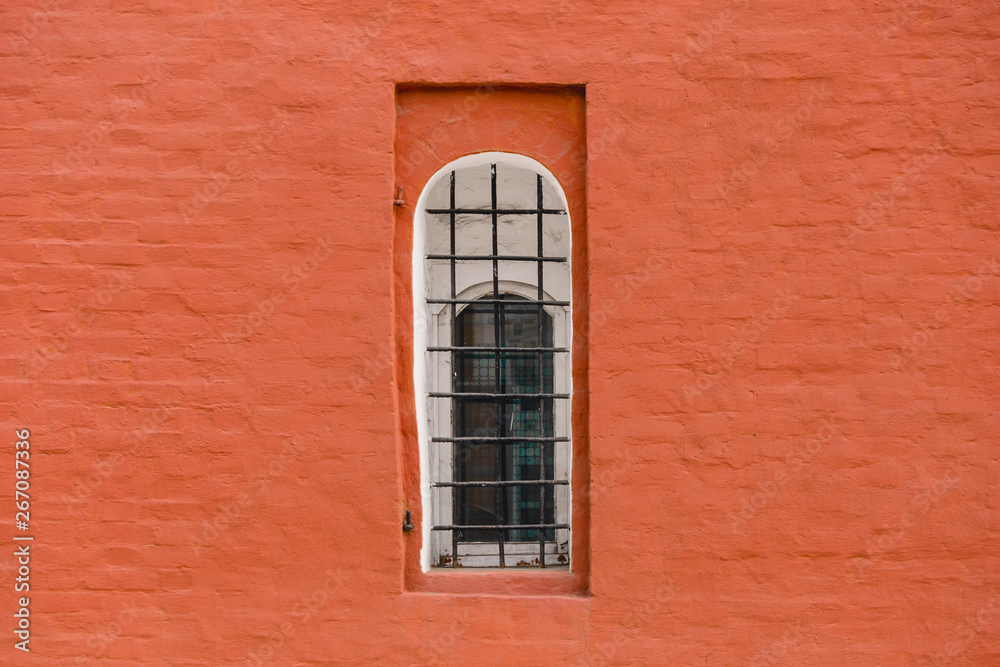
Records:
x=492, y=303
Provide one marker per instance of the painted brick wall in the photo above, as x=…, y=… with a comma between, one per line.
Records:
x=794, y=302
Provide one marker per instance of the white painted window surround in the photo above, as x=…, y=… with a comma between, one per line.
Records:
x=517, y=235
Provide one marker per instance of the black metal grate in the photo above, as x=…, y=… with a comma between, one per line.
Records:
x=502, y=414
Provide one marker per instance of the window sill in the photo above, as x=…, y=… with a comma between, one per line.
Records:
x=554, y=581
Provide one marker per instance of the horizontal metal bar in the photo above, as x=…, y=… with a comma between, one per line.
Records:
x=522, y=482
x=519, y=302
x=484, y=348
x=475, y=395
x=498, y=211
x=502, y=258
x=509, y=438
x=513, y=526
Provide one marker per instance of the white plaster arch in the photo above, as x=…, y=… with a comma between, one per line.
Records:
x=432, y=321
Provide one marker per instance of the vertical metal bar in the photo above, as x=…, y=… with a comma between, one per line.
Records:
x=541, y=377
x=497, y=341
x=456, y=519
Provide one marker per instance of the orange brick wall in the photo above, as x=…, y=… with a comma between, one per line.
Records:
x=793, y=303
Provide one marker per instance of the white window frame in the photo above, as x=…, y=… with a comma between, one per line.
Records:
x=432, y=372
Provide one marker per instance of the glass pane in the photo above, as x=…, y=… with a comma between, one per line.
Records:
x=521, y=373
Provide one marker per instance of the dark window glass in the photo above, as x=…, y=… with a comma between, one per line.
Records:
x=520, y=417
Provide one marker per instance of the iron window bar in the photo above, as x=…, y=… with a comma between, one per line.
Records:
x=500, y=397
x=502, y=258
x=511, y=438
x=498, y=301
x=540, y=365
x=496, y=211
x=454, y=342
x=491, y=348
x=478, y=395
x=503, y=526
x=498, y=327
x=507, y=482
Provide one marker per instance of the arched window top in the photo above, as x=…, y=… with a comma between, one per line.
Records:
x=514, y=172
x=520, y=184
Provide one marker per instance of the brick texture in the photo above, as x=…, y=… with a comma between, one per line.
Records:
x=793, y=307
